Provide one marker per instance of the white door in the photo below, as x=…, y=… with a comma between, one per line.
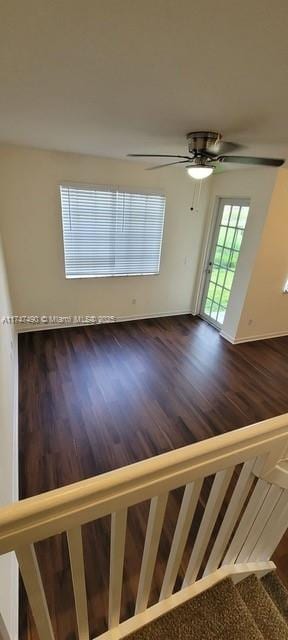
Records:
x=222, y=262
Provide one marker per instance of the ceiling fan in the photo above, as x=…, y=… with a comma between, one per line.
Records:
x=205, y=149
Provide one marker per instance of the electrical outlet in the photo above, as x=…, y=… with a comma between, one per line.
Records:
x=133, y=300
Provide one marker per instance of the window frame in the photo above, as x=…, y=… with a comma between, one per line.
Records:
x=114, y=189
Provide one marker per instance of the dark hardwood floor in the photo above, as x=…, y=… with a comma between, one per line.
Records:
x=96, y=398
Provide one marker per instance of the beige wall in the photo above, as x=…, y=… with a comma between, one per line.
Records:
x=257, y=185
x=265, y=310
x=32, y=235
x=8, y=451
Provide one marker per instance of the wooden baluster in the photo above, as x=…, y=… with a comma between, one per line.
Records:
x=258, y=496
x=273, y=531
x=118, y=536
x=216, y=497
x=30, y=573
x=74, y=537
x=234, y=508
x=263, y=516
x=188, y=506
x=152, y=538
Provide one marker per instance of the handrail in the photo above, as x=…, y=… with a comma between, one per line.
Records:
x=251, y=509
x=50, y=513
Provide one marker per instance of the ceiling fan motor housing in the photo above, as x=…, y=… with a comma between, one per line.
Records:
x=199, y=141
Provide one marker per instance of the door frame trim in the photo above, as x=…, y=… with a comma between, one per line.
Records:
x=213, y=242
x=212, y=213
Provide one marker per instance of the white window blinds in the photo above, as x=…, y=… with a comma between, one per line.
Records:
x=111, y=232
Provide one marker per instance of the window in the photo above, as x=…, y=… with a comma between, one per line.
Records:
x=109, y=231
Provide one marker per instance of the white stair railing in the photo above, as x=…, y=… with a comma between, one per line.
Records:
x=255, y=518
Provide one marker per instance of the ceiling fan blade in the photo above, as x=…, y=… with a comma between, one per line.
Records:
x=222, y=147
x=156, y=155
x=169, y=164
x=269, y=162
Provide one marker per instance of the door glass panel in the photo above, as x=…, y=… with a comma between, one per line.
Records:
x=221, y=315
x=224, y=256
x=243, y=217
x=233, y=260
x=214, y=274
x=226, y=214
x=211, y=290
x=208, y=306
x=222, y=236
x=214, y=310
x=229, y=279
x=218, y=255
x=229, y=238
x=221, y=276
x=217, y=294
x=234, y=216
x=238, y=239
x=225, y=298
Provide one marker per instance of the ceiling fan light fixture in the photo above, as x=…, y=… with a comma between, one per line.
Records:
x=200, y=172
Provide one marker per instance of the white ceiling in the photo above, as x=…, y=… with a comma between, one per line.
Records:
x=109, y=77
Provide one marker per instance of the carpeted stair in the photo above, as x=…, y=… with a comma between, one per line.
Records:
x=277, y=592
x=263, y=609
x=251, y=610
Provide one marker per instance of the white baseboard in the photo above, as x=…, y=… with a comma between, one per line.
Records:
x=227, y=337
x=24, y=328
x=264, y=336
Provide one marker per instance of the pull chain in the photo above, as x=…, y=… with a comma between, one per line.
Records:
x=196, y=197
